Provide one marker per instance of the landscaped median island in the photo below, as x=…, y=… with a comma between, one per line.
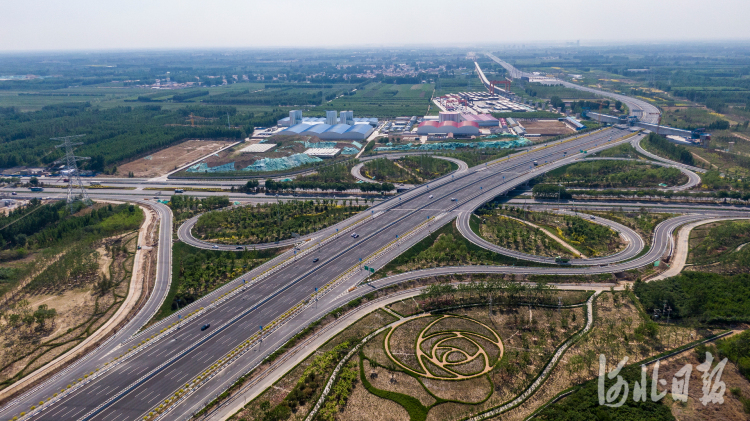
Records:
x=407, y=169
x=63, y=276
x=268, y=222
x=504, y=226
x=615, y=174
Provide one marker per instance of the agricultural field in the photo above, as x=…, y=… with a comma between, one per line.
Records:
x=408, y=169
x=63, y=276
x=589, y=238
x=615, y=174
x=268, y=222
x=383, y=101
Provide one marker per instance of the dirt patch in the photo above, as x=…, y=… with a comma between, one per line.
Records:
x=171, y=158
x=397, y=382
x=693, y=409
x=546, y=127
x=362, y=405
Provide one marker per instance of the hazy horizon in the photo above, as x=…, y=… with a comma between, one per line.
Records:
x=79, y=25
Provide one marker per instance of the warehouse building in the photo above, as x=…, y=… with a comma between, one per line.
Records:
x=466, y=128
x=345, y=117
x=483, y=120
x=331, y=132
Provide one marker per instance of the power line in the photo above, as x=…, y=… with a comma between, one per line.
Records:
x=74, y=175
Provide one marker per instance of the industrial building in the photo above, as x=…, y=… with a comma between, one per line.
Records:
x=483, y=120
x=331, y=132
x=466, y=128
x=449, y=116
x=345, y=117
x=325, y=153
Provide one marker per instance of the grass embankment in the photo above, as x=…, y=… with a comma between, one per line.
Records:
x=69, y=273
x=267, y=222
x=408, y=169
x=720, y=247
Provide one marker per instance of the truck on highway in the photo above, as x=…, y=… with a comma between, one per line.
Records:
x=562, y=260
x=536, y=163
x=36, y=189
x=179, y=191
x=95, y=183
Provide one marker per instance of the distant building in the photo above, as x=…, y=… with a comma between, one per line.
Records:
x=346, y=117
x=323, y=152
x=466, y=128
x=331, y=132
x=484, y=120
x=331, y=117
x=295, y=117
x=449, y=116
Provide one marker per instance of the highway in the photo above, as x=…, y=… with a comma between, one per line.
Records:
x=642, y=109
x=637, y=145
x=120, y=388
x=136, y=385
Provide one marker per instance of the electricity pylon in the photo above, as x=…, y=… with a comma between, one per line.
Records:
x=74, y=176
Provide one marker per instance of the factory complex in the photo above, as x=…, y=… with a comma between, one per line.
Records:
x=330, y=127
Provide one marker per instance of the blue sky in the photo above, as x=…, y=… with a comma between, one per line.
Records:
x=33, y=25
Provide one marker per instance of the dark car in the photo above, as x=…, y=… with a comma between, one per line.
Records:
x=239, y=248
x=315, y=260
x=205, y=326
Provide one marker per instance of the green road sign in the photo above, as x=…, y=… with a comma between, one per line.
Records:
x=366, y=268
x=656, y=263
x=372, y=270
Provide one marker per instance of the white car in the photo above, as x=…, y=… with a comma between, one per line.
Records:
x=215, y=247
x=430, y=196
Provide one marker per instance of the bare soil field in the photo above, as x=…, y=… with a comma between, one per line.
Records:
x=80, y=309
x=171, y=158
x=546, y=127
